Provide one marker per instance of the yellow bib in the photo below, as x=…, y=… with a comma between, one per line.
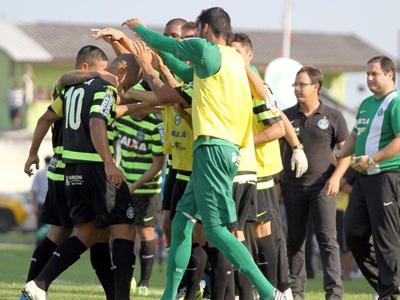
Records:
x=268, y=155
x=181, y=142
x=222, y=104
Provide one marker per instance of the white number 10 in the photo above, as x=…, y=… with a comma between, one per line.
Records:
x=73, y=107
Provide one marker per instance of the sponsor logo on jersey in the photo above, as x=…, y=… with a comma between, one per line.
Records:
x=107, y=103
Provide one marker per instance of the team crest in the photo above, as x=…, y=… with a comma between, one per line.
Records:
x=177, y=120
x=323, y=124
x=140, y=135
x=236, y=158
x=130, y=213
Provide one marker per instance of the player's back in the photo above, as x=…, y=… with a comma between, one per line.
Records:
x=92, y=98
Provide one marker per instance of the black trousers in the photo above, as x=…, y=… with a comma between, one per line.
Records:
x=372, y=228
x=321, y=209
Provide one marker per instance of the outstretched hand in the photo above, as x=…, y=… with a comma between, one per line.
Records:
x=132, y=23
x=108, y=34
x=142, y=53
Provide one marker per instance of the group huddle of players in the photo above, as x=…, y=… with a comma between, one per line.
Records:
x=219, y=126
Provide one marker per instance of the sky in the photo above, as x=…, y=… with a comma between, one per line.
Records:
x=375, y=21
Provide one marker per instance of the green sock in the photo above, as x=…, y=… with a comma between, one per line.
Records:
x=179, y=254
x=240, y=257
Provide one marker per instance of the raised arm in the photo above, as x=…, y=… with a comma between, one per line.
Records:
x=164, y=93
x=204, y=55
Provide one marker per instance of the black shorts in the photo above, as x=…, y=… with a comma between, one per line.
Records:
x=55, y=208
x=168, y=187
x=147, y=209
x=263, y=210
x=91, y=198
x=181, y=181
x=244, y=194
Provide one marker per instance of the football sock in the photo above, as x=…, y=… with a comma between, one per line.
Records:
x=267, y=258
x=238, y=254
x=40, y=257
x=123, y=259
x=147, y=253
x=100, y=258
x=63, y=257
x=179, y=253
x=221, y=274
x=243, y=285
x=195, y=270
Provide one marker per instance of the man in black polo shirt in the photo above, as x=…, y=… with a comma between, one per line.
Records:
x=320, y=128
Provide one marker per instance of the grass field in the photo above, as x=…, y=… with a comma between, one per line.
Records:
x=79, y=282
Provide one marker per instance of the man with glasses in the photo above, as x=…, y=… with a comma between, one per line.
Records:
x=320, y=128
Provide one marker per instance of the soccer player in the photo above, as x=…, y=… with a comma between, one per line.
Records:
x=142, y=160
x=55, y=210
x=221, y=125
x=180, y=135
x=97, y=196
x=267, y=126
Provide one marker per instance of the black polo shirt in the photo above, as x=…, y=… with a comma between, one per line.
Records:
x=319, y=133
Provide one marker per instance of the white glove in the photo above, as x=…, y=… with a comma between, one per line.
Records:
x=299, y=161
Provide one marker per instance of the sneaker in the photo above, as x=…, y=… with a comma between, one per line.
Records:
x=199, y=295
x=375, y=296
x=32, y=292
x=288, y=294
x=181, y=294
x=142, y=290
x=23, y=297
x=279, y=296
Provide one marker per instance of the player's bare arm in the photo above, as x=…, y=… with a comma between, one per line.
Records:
x=77, y=76
x=98, y=134
x=149, y=174
x=41, y=129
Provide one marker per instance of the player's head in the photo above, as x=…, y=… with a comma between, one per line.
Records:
x=128, y=71
x=381, y=74
x=173, y=28
x=308, y=83
x=91, y=58
x=189, y=30
x=214, y=21
x=242, y=43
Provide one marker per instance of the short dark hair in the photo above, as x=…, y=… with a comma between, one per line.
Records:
x=315, y=75
x=243, y=39
x=176, y=21
x=387, y=65
x=90, y=54
x=190, y=26
x=218, y=19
